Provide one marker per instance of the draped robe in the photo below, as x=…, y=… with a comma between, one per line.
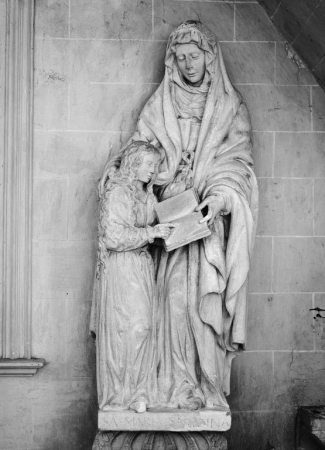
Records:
x=124, y=307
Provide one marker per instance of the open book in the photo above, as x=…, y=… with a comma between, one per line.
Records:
x=180, y=210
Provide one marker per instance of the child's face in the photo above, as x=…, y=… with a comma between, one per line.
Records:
x=147, y=168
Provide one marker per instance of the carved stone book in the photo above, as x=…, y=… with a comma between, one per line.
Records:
x=180, y=210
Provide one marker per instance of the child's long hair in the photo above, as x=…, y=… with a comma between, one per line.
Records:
x=126, y=175
x=131, y=159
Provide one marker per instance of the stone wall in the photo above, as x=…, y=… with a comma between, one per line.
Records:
x=301, y=23
x=96, y=64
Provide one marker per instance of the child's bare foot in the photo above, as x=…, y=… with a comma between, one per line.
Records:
x=139, y=406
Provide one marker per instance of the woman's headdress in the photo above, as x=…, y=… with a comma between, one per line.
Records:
x=194, y=32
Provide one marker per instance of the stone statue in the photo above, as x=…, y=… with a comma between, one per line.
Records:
x=124, y=310
x=196, y=325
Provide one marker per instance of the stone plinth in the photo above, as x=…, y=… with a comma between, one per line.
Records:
x=165, y=420
x=163, y=429
x=158, y=440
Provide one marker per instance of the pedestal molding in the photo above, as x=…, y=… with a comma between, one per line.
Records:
x=20, y=367
x=17, y=218
x=165, y=420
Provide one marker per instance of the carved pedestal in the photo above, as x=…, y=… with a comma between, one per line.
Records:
x=172, y=430
x=152, y=440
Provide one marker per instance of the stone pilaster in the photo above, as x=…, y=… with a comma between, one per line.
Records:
x=15, y=301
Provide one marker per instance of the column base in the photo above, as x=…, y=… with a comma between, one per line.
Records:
x=158, y=440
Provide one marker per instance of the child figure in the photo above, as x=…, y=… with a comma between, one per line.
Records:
x=124, y=305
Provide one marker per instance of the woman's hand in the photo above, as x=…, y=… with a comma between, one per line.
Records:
x=163, y=230
x=215, y=204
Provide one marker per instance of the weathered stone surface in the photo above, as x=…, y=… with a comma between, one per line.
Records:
x=106, y=20
x=74, y=153
x=83, y=208
x=169, y=420
x=52, y=18
x=262, y=430
x=63, y=269
x=270, y=5
x=50, y=201
x=110, y=440
x=250, y=62
x=50, y=317
x=299, y=155
x=298, y=379
x=169, y=14
x=270, y=107
x=89, y=61
x=286, y=207
x=318, y=314
x=51, y=102
x=255, y=424
x=287, y=70
x=252, y=369
x=260, y=278
x=270, y=325
x=13, y=392
x=301, y=23
x=64, y=414
x=79, y=347
x=52, y=58
x=253, y=24
x=91, y=105
x=263, y=153
x=319, y=192
x=319, y=71
x=310, y=43
x=299, y=264
x=290, y=24
x=318, y=103
x=51, y=83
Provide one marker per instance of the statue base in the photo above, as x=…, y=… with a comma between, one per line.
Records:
x=165, y=420
x=163, y=429
x=159, y=440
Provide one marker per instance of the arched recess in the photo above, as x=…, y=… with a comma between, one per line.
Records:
x=16, y=134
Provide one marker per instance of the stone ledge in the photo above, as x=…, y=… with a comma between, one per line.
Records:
x=165, y=420
x=20, y=367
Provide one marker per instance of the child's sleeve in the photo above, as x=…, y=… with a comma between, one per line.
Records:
x=117, y=218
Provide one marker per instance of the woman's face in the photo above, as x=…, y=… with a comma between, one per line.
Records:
x=147, y=168
x=191, y=62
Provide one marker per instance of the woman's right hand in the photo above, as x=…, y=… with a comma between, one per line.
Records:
x=163, y=230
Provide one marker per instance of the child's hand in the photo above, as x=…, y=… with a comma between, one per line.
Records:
x=163, y=230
